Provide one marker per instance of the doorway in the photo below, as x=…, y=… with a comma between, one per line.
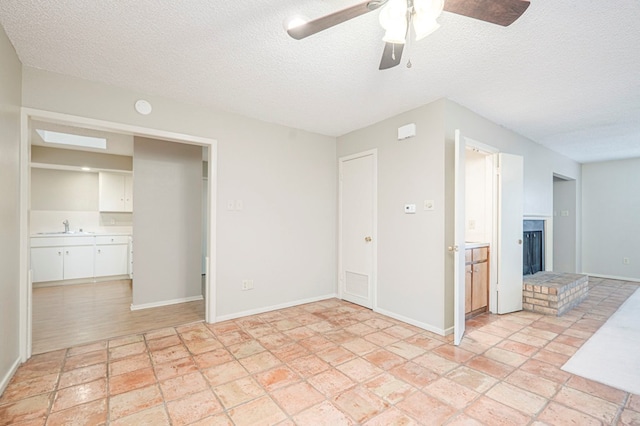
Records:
x=29, y=116
x=357, y=223
x=564, y=224
x=488, y=220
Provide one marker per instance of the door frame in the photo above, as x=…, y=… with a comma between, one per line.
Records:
x=374, y=231
x=459, y=230
x=28, y=114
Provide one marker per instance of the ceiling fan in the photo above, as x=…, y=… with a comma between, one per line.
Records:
x=397, y=17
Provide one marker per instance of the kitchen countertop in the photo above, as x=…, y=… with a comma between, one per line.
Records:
x=77, y=234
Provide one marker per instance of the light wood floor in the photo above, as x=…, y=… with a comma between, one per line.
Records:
x=69, y=315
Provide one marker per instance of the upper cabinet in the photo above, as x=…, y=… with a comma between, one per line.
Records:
x=115, y=192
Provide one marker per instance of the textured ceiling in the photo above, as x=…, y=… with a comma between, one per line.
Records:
x=566, y=74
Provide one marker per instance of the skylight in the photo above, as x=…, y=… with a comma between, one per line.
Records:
x=69, y=139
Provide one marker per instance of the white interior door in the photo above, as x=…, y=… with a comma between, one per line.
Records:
x=357, y=226
x=459, y=241
x=510, y=216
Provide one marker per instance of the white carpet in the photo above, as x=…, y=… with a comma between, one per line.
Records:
x=612, y=355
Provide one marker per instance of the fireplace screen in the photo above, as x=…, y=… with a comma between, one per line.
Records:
x=533, y=247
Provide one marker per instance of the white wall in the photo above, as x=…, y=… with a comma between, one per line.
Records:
x=411, y=247
x=63, y=190
x=564, y=225
x=167, y=189
x=478, y=199
x=59, y=195
x=10, y=86
x=285, y=237
x=540, y=163
x=611, y=218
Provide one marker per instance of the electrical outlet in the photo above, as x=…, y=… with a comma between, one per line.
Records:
x=625, y=260
x=428, y=205
x=247, y=284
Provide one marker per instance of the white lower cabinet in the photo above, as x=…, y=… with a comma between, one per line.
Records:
x=67, y=258
x=47, y=264
x=112, y=256
x=78, y=262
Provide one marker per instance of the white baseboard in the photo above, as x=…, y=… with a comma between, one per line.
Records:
x=612, y=277
x=81, y=281
x=420, y=324
x=274, y=307
x=165, y=303
x=7, y=377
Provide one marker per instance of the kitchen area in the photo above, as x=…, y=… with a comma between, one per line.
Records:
x=81, y=225
x=90, y=244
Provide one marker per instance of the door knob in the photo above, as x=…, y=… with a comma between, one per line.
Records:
x=453, y=248
x=520, y=242
x=367, y=239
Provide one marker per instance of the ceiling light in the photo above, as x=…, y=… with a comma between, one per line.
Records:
x=85, y=169
x=397, y=15
x=143, y=107
x=69, y=139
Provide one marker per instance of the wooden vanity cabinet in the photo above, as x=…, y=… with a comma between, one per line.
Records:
x=476, y=280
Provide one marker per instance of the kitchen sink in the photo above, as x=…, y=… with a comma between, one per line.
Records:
x=66, y=233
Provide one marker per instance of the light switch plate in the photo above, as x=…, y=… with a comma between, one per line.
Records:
x=409, y=208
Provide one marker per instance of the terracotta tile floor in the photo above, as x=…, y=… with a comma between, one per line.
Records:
x=329, y=363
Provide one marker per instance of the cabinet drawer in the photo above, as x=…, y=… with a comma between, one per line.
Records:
x=62, y=241
x=480, y=254
x=112, y=239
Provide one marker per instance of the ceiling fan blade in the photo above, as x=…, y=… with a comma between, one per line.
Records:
x=335, y=18
x=500, y=12
x=391, y=55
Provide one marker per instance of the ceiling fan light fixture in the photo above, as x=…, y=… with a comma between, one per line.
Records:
x=424, y=27
x=430, y=9
x=393, y=18
x=425, y=13
x=395, y=34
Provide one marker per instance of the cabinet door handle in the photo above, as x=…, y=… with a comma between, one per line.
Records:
x=99, y=251
x=59, y=253
x=67, y=252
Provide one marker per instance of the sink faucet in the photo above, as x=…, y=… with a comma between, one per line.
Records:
x=66, y=226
